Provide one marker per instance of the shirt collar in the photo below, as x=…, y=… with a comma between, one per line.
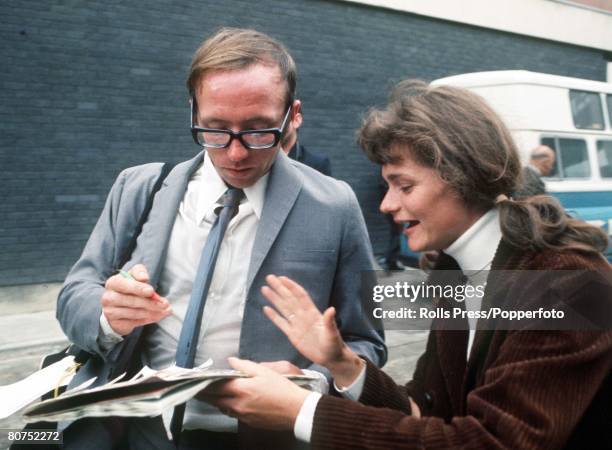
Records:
x=256, y=194
x=476, y=247
x=212, y=187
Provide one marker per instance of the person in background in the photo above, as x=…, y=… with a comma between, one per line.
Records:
x=541, y=164
x=292, y=147
x=451, y=164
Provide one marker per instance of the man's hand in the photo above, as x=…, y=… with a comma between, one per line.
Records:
x=128, y=304
x=264, y=400
x=283, y=367
x=313, y=334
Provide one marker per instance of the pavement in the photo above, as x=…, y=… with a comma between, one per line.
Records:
x=29, y=331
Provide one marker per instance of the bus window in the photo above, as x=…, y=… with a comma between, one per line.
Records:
x=586, y=110
x=572, y=159
x=604, y=158
x=609, y=102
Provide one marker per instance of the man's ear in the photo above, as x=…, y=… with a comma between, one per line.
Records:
x=296, y=114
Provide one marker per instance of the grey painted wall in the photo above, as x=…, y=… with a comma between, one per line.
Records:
x=89, y=88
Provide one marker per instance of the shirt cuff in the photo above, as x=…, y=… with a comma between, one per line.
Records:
x=353, y=392
x=302, y=429
x=107, y=338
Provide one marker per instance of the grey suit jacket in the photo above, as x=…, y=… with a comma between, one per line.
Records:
x=311, y=230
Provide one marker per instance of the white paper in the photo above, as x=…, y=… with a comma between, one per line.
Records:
x=84, y=385
x=148, y=393
x=15, y=396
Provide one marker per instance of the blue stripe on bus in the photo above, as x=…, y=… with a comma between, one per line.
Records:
x=583, y=205
x=585, y=199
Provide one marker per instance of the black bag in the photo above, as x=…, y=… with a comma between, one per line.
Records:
x=81, y=356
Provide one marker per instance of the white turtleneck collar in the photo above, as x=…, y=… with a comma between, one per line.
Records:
x=476, y=247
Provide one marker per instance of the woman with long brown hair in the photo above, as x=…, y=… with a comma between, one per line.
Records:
x=451, y=167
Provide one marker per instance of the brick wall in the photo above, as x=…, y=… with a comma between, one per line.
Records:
x=88, y=88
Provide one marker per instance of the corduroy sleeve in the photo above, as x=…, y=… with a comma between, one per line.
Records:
x=532, y=399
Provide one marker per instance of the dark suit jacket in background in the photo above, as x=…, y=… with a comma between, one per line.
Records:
x=532, y=183
x=518, y=390
x=315, y=160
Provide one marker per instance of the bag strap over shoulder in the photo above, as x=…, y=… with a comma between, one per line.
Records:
x=129, y=249
x=124, y=358
x=82, y=356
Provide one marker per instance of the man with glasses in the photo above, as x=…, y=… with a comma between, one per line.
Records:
x=291, y=221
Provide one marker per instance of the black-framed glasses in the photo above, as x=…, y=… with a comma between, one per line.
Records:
x=260, y=139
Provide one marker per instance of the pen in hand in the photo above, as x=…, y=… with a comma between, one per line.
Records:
x=125, y=274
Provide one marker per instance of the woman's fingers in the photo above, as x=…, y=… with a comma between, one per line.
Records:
x=294, y=293
x=283, y=295
x=278, y=320
x=287, y=307
x=279, y=286
x=287, y=296
x=295, y=311
x=297, y=291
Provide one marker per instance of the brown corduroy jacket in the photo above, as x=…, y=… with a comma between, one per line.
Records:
x=518, y=389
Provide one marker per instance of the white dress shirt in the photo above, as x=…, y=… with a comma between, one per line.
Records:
x=474, y=251
x=222, y=317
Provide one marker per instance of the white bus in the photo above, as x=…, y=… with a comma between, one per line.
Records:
x=570, y=115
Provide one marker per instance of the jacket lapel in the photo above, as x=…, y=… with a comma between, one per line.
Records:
x=156, y=232
x=153, y=242
x=451, y=335
x=506, y=258
x=284, y=185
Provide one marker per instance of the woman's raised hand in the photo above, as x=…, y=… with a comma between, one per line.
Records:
x=313, y=334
